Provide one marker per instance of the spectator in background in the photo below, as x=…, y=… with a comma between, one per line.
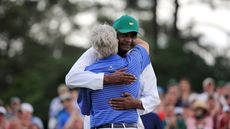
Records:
x=33, y=126
x=185, y=89
x=74, y=94
x=56, y=106
x=69, y=117
x=223, y=120
x=227, y=97
x=180, y=121
x=214, y=108
x=14, y=123
x=172, y=95
x=221, y=93
x=208, y=89
x=170, y=120
x=187, y=111
x=15, y=104
x=3, y=121
x=28, y=118
x=227, y=93
x=227, y=88
x=201, y=118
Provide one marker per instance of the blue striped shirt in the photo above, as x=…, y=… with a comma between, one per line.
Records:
x=97, y=101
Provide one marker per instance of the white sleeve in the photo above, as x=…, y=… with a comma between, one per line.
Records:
x=77, y=77
x=148, y=93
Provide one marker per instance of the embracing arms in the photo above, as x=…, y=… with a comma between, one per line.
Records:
x=77, y=77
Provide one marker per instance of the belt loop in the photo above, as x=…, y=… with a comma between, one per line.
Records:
x=112, y=125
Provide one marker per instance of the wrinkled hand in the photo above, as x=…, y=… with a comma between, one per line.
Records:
x=119, y=77
x=127, y=102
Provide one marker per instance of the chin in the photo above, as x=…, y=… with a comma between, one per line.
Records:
x=125, y=50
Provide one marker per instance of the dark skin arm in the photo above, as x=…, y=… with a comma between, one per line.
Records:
x=126, y=102
x=119, y=77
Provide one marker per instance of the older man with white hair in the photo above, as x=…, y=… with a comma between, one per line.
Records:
x=95, y=102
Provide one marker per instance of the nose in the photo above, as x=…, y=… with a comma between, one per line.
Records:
x=128, y=39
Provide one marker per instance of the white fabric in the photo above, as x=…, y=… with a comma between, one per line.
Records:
x=86, y=122
x=77, y=77
x=148, y=95
x=139, y=123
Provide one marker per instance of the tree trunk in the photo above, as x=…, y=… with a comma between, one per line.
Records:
x=175, y=29
x=155, y=26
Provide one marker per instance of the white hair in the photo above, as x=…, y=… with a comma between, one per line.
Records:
x=104, y=40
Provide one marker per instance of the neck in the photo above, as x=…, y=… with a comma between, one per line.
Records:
x=122, y=53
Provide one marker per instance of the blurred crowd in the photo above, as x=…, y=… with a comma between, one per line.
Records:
x=19, y=116
x=64, y=113
x=180, y=108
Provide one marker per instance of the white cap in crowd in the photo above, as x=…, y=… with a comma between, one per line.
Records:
x=26, y=107
x=2, y=110
x=208, y=80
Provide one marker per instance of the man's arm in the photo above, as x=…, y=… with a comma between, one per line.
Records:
x=142, y=43
x=79, y=78
x=149, y=98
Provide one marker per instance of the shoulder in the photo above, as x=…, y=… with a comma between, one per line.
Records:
x=137, y=51
x=93, y=66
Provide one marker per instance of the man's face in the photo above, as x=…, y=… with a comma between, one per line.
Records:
x=26, y=115
x=67, y=103
x=184, y=85
x=125, y=41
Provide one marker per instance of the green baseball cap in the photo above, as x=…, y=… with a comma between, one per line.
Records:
x=126, y=24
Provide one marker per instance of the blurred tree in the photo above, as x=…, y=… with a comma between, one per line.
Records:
x=30, y=66
x=34, y=58
x=175, y=58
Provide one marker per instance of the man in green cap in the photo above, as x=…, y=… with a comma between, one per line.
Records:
x=127, y=29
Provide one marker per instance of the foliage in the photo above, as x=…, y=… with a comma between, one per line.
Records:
x=34, y=58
